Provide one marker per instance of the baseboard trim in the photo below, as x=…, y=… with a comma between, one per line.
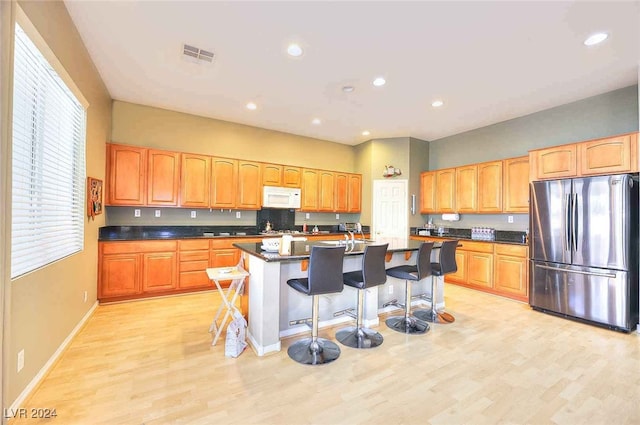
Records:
x=47, y=366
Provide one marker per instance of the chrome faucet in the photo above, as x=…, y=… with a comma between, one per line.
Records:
x=353, y=238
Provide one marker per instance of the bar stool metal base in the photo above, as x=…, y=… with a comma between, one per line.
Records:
x=410, y=326
x=441, y=317
x=359, y=337
x=308, y=351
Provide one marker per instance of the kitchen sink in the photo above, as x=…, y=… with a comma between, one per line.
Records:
x=344, y=242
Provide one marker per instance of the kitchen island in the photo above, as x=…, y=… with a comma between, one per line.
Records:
x=275, y=309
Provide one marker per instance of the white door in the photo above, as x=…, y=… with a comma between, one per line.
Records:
x=390, y=209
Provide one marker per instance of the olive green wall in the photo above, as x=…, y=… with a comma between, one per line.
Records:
x=47, y=304
x=162, y=129
x=605, y=115
x=410, y=155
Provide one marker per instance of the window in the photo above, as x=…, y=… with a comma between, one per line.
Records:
x=48, y=169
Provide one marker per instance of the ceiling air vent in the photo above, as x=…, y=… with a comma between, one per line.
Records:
x=196, y=53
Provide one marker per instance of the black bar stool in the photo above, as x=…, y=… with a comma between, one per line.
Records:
x=372, y=274
x=446, y=265
x=324, y=277
x=407, y=323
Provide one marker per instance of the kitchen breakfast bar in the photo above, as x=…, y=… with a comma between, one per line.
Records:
x=277, y=311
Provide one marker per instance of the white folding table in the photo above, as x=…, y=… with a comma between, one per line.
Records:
x=237, y=275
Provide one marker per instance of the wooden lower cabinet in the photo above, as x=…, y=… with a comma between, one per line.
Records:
x=133, y=269
x=119, y=275
x=159, y=271
x=497, y=268
x=512, y=271
x=480, y=269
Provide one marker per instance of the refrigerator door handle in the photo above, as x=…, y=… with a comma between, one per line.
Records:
x=607, y=275
x=567, y=221
x=574, y=222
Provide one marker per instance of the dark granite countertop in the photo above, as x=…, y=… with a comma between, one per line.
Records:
x=300, y=250
x=501, y=236
x=135, y=233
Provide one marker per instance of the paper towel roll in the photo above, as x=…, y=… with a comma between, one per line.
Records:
x=451, y=217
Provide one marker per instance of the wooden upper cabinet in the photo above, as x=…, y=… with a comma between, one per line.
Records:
x=556, y=162
x=272, y=175
x=446, y=190
x=127, y=172
x=163, y=177
x=609, y=156
x=291, y=176
x=310, y=185
x=224, y=182
x=195, y=180
x=249, y=192
x=341, y=192
x=354, y=195
x=490, y=187
x=515, y=186
x=466, y=189
x=325, y=191
x=428, y=192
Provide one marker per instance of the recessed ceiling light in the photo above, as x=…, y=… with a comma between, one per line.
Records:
x=316, y=121
x=365, y=133
x=596, y=39
x=294, y=50
x=437, y=103
x=348, y=89
x=379, y=82
x=252, y=106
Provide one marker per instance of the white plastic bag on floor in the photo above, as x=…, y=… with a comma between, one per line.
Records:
x=234, y=343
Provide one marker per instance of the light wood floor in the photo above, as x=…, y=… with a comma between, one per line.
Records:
x=151, y=363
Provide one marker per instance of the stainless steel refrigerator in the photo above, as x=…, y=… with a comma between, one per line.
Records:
x=584, y=249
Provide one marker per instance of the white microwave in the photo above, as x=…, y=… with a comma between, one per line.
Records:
x=281, y=197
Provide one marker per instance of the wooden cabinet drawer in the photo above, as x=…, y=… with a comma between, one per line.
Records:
x=192, y=245
x=189, y=266
x=137, y=247
x=194, y=279
x=475, y=246
x=221, y=243
x=194, y=255
x=512, y=250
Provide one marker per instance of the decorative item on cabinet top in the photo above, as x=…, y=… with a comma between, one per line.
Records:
x=391, y=171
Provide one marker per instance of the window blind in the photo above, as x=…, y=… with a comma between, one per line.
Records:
x=48, y=163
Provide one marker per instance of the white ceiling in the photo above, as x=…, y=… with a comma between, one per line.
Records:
x=488, y=61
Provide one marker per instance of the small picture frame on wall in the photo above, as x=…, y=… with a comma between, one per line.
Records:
x=94, y=197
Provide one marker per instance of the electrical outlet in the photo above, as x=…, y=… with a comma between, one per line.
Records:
x=238, y=214
x=509, y=219
x=193, y=214
x=136, y=213
x=158, y=213
x=337, y=216
x=307, y=216
x=85, y=296
x=20, y=359
x=390, y=289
